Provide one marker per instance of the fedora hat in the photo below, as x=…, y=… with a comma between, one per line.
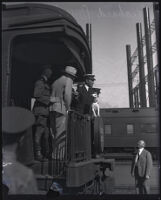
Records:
x=16, y=119
x=70, y=70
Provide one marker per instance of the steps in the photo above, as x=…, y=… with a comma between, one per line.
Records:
x=44, y=182
x=46, y=172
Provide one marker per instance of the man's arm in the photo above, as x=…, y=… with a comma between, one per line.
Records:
x=98, y=109
x=68, y=93
x=39, y=92
x=149, y=164
x=133, y=166
x=93, y=110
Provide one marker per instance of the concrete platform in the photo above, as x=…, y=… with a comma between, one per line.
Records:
x=125, y=184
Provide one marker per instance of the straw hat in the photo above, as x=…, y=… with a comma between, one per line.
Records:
x=71, y=70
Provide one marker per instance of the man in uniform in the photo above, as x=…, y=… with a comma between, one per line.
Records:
x=60, y=99
x=141, y=169
x=85, y=92
x=85, y=100
x=18, y=178
x=41, y=112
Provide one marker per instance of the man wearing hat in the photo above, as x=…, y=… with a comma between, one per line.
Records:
x=17, y=177
x=85, y=92
x=41, y=112
x=60, y=100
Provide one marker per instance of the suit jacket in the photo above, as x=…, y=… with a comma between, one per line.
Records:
x=42, y=96
x=85, y=99
x=144, y=164
x=61, y=94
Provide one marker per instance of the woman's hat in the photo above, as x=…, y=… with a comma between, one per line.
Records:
x=71, y=70
x=16, y=119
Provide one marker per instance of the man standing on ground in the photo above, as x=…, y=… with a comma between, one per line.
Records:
x=141, y=169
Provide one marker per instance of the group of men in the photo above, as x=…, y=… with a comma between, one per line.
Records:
x=51, y=107
x=15, y=123
x=58, y=102
x=53, y=102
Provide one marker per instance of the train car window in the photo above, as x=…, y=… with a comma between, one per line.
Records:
x=148, y=128
x=130, y=129
x=108, y=129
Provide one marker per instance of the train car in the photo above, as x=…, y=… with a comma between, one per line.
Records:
x=34, y=35
x=125, y=126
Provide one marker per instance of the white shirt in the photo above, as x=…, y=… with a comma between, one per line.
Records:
x=140, y=151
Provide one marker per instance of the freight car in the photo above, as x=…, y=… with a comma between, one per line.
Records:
x=37, y=34
x=125, y=126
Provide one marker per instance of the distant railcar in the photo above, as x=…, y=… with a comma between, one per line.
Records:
x=125, y=126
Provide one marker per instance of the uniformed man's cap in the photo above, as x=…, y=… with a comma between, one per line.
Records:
x=71, y=70
x=90, y=76
x=96, y=90
x=16, y=119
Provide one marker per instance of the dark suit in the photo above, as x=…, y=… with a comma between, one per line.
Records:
x=140, y=169
x=85, y=107
x=41, y=112
x=85, y=99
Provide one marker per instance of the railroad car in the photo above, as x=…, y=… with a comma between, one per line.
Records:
x=34, y=35
x=125, y=126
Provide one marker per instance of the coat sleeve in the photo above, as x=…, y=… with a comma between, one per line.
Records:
x=68, y=93
x=149, y=164
x=39, y=92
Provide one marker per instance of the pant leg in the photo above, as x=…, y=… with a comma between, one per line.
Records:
x=41, y=122
x=138, y=182
x=38, y=135
x=60, y=136
x=146, y=186
x=52, y=123
x=46, y=141
x=60, y=124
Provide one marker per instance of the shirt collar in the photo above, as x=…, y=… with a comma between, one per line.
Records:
x=140, y=150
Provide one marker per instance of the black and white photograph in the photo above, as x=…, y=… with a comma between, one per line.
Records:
x=80, y=99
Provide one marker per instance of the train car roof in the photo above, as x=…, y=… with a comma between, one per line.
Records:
x=29, y=10
x=33, y=16
x=127, y=112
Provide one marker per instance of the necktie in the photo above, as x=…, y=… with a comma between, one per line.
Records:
x=137, y=157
